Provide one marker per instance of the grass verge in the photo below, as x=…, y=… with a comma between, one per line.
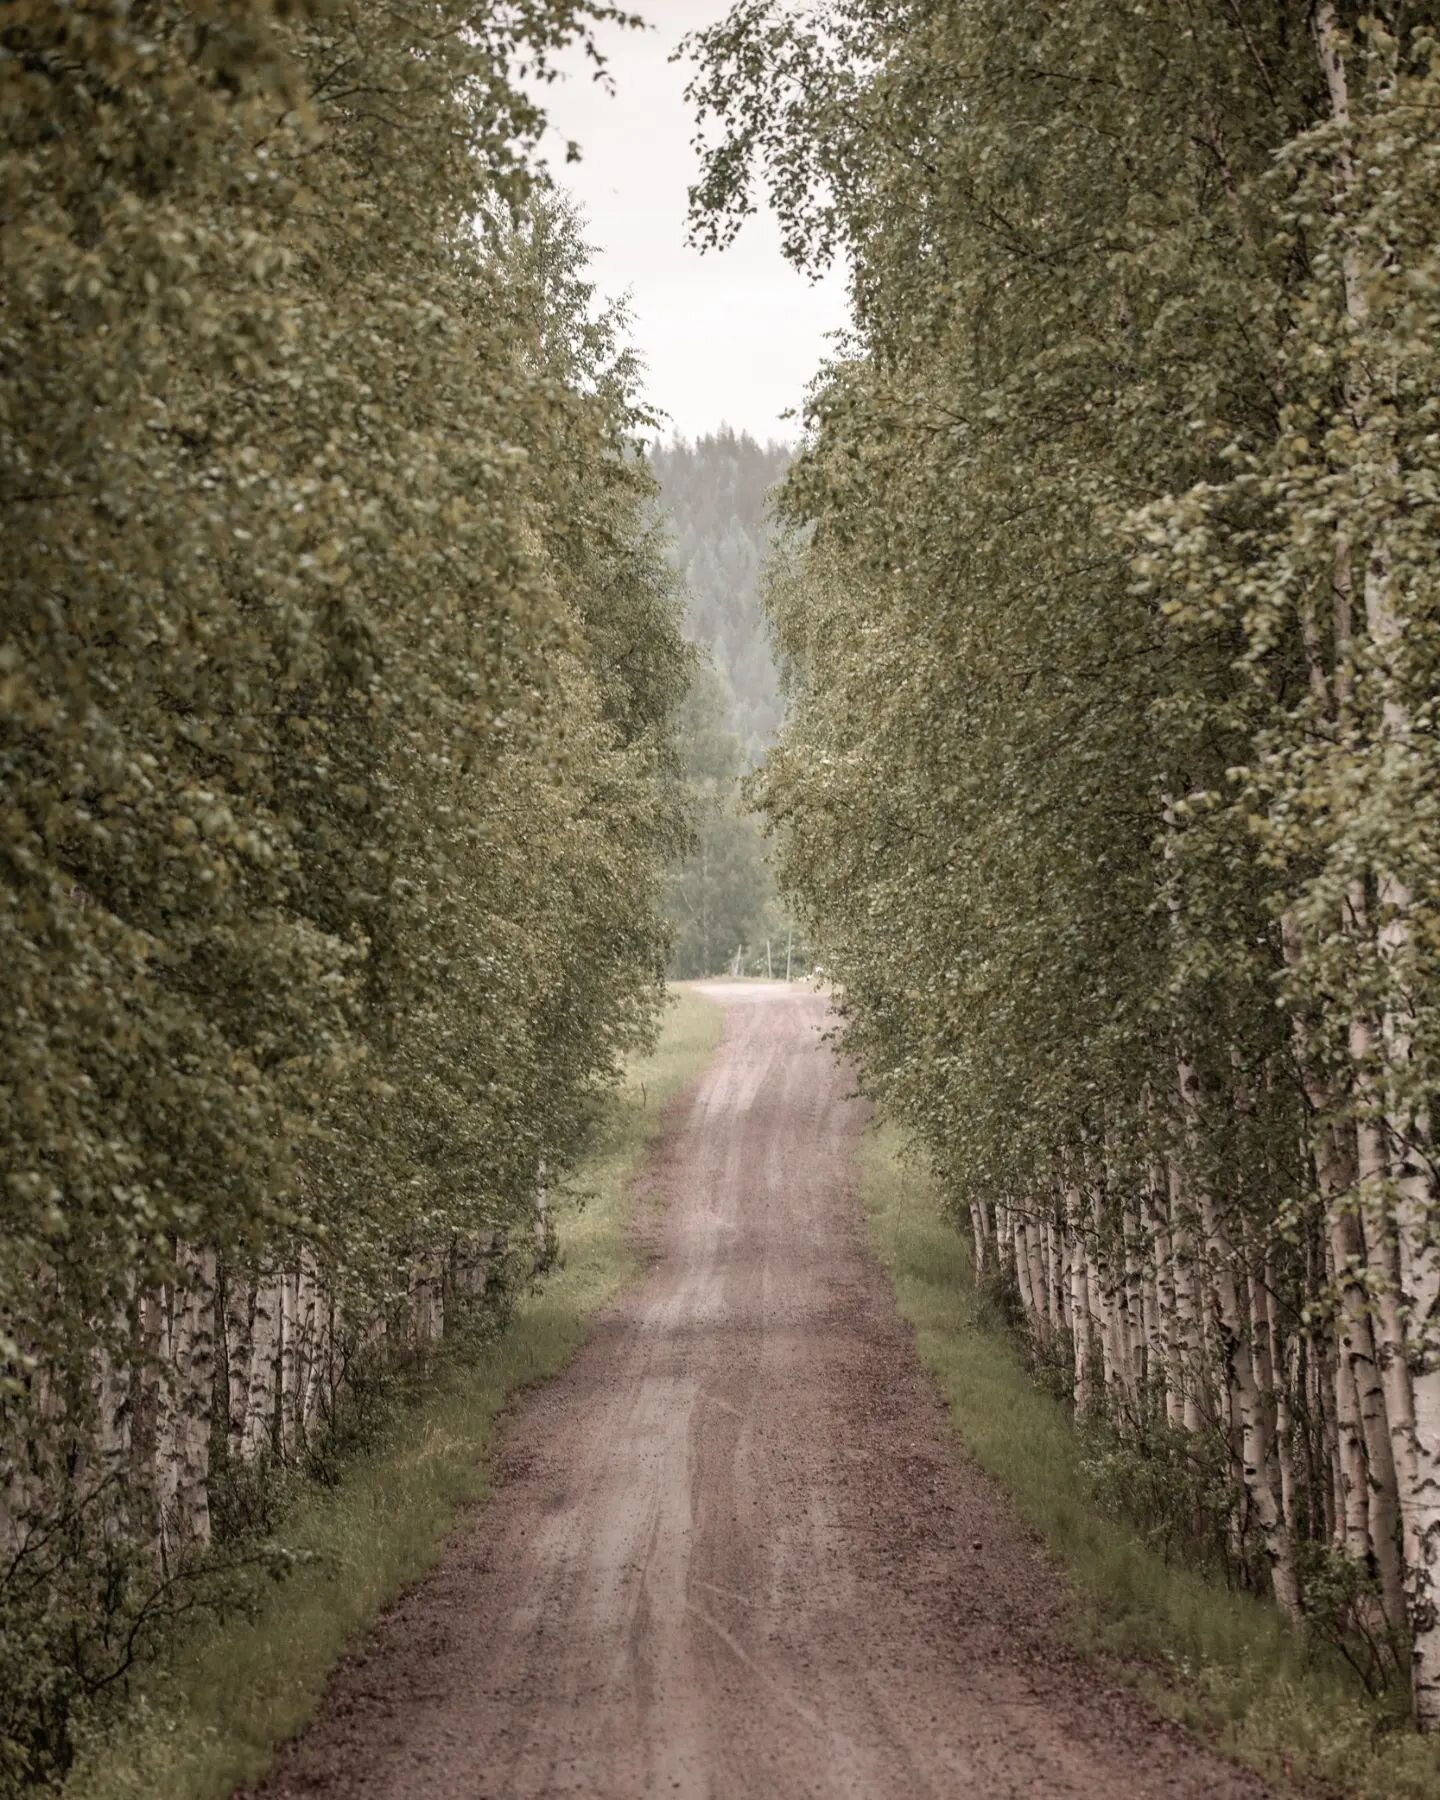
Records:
x=1227, y=1664
x=238, y=1688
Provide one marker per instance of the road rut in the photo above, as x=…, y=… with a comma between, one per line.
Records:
x=735, y=1552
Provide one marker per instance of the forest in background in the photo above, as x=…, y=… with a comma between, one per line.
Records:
x=721, y=899
x=716, y=494
x=1108, y=788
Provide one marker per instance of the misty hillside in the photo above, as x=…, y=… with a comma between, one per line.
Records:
x=715, y=492
x=721, y=899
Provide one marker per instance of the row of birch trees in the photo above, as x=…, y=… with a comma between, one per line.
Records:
x=1111, y=785
x=337, y=666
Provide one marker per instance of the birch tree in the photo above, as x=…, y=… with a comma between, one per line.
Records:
x=1111, y=633
x=337, y=669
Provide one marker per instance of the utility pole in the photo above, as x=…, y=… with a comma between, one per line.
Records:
x=769, y=972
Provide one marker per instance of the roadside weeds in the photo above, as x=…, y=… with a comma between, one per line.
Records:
x=1226, y=1664
x=211, y=1721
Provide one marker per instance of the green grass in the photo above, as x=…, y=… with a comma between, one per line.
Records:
x=1227, y=1664
x=240, y=1687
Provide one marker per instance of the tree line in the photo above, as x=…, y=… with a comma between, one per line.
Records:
x=721, y=898
x=715, y=492
x=1109, y=785
x=339, y=658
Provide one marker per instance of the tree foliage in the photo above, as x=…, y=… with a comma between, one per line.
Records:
x=715, y=495
x=1109, y=781
x=339, y=654
x=718, y=890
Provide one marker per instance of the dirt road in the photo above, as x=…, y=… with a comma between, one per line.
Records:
x=734, y=1552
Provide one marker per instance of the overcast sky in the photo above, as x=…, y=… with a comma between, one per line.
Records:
x=730, y=337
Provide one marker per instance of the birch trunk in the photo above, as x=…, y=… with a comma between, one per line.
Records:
x=1035, y=1269
x=1101, y=1291
x=1021, y=1260
x=1134, y=1334
x=1357, y=1346
x=1055, y=1266
x=262, y=1398
x=239, y=1302
x=1407, y=1125
x=289, y=1349
x=1079, y=1301
x=1238, y=1374
x=977, y=1227
x=1188, y=1357
x=1163, y=1343
x=193, y=1387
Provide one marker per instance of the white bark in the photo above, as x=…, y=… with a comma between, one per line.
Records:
x=977, y=1227
x=1238, y=1373
x=1035, y=1272
x=193, y=1380
x=264, y=1385
x=1079, y=1309
x=1188, y=1348
x=1021, y=1257
x=1408, y=1127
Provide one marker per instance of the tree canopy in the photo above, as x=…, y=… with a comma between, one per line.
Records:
x=338, y=664
x=1108, y=784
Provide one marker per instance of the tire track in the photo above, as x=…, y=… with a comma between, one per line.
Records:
x=730, y=1551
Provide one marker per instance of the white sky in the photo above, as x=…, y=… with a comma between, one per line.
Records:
x=727, y=338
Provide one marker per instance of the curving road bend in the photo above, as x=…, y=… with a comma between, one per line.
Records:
x=734, y=1552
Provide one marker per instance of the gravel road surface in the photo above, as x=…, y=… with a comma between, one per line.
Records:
x=735, y=1552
